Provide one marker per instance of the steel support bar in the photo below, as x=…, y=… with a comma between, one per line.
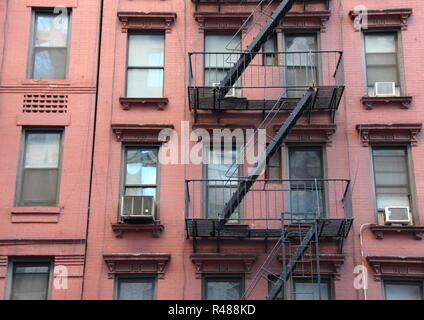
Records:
x=255, y=46
x=291, y=265
x=245, y=185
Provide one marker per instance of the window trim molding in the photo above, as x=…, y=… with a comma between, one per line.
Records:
x=305, y=21
x=396, y=266
x=311, y=133
x=389, y=133
x=150, y=21
x=223, y=264
x=141, y=133
x=221, y=22
x=22, y=151
x=137, y=264
x=386, y=18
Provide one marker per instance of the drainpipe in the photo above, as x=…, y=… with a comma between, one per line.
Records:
x=361, y=229
x=100, y=33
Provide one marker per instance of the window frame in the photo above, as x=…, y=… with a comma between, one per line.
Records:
x=399, y=59
x=125, y=147
x=153, y=278
x=324, y=171
x=273, y=56
x=127, y=67
x=11, y=273
x=21, y=163
x=206, y=68
x=299, y=33
x=397, y=280
x=31, y=49
x=221, y=278
x=329, y=280
x=206, y=187
x=413, y=208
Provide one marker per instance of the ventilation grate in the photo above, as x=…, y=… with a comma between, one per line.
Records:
x=43, y=103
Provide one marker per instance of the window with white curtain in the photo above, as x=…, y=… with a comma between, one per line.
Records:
x=30, y=281
x=49, y=45
x=145, y=65
x=38, y=179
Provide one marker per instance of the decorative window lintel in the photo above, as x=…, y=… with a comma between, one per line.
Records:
x=148, y=133
x=137, y=263
x=389, y=133
x=151, y=21
x=212, y=21
x=382, y=19
x=370, y=102
x=305, y=20
x=396, y=266
x=223, y=263
x=311, y=133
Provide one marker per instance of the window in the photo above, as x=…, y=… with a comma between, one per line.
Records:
x=222, y=175
x=403, y=290
x=141, y=171
x=306, y=193
x=272, y=281
x=381, y=57
x=145, y=69
x=307, y=289
x=38, y=179
x=302, y=64
x=273, y=167
x=49, y=45
x=391, y=177
x=30, y=280
x=270, y=48
x=135, y=288
x=222, y=288
x=217, y=63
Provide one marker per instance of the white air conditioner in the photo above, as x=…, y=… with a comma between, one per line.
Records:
x=232, y=93
x=137, y=207
x=397, y=215
x=385, y=89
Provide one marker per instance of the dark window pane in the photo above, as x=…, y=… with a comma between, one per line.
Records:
x=403, y=291
x=305, y=164
x=39, y=187
x=30, y=281
x=307, y=290
x=136, y=289
x=223, y=289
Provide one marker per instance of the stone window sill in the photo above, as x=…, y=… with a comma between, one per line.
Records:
x=128, y=103
x=404, y=102
x=120, y=228
x=36, y=214
x=380, y=230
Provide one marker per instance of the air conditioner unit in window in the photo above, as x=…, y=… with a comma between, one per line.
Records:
x=397, y=215
x=137, y=207
x=232, y=93
x=385, y=89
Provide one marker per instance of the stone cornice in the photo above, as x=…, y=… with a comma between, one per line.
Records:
x=396, y=266
x=220, y=21
x=152, y=21
x=147, y=133
x=305, y=20
x=220, y=263
x=389, y=133
x=383, y=19
x=137, y=263
x=311, y=133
